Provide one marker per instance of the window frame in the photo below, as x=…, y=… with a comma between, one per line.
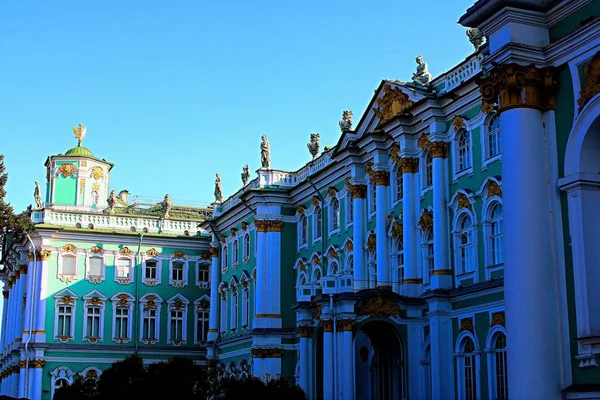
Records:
x=398, y=187
x=235, y=252
x=122, y=301
x=95, y=278
x=349, y=209
x=63, y=277
x=201, y=306
x=486, y=130
x=93, y=299
x=150, y=281
x=492, y=359
x=178, y=283
x=488, y=207
x=124, y=280
x=177, y=303
x=150, y=302
x=203, y=283
x=67, y=299
x=426, y=172
x=302, y=231
x=461, y=364
x=458, y=169
x=461, y=272
x=333, y=217
x=246, y=248
x=428, y=260
x=317, y=224
x=59, y=374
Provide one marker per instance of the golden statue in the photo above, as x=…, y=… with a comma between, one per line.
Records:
x=79, y=132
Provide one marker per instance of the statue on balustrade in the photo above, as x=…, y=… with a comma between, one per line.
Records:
x=37, y=196
x=422, y=76
x=245, y=174
x=218, y=191
x=313, y=145
x=167, y=204
x=346, y=121
x=265, y=153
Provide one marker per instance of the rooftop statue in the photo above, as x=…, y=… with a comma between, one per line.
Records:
x=245, y=174
x=167, y=204
x=218, y=191
x=313, y=145
x=112, y=202
x=265, y=153
x=475, y=37
x=37, y=196
x=422, y=76
x=79, y=132
x=346, y=122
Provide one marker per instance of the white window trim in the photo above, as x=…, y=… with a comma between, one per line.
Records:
x=245, y=312
x=395, y=197
x=455, y=156
x=485, y=128
x=69, y=299
x=197, y=309
x=235, y=253
x=461, y=275
x=152, y=282
x=95, y=279
x=491, y=357
x=371, y=200
x=127, y=301
x=487, y=232
x=128, y=280
x=299, y=217
x=316, y=239
x=330, y=230
x=423, y=174
x=234, y=308
x=157, y=306
x=425, y=267
x=88, y=302
x=224, y=258
x=173, y=305
x=200, y=283
x=67, y=278
x=184, y=281
x=459, y=355
x=246, y=255
x=395, y=265
x=348, y=214
x=223, y=310
x=60, y=373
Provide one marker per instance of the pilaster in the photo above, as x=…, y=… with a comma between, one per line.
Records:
x=381, y=178
x=215, y=278
x=328, y=364
x=306, y=333
x=359, y=194
x=442, y=349
x=345, y=330
x=412, y=282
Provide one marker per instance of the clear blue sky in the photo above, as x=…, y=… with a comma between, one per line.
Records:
x=174, y=91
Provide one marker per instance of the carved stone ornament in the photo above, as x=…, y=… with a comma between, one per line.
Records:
x=313, y=145
x=439, y=149
x=356, y=191
x=487, y=108
x=67, y=169
x=69, y=248
x=66, y=299
x=592, y=81
x=475, y=37
x=426, y=221
x=458, y=122
x=371, y=242
x=44, y=255
x=379, y=306
x=266, y=353
x=345, y=325
x=204, y=304
x=394, y=153
x=300, y=210
x=213, y=251
x=94, y=301
x=346, y=121
x=422, y=76
x=315, y=201
x=244, y=226
x=305, y=331
x=97, y=173
x=397, y=230
x=233, y=232
x=463, y=201
x=331, y=192
x=393, y=102
x=316, y=260
x=498, y=319
x=301, y=266
x=424, y=142
x=350, y=245
x=515, y=86
x=96, y=250
x=327, y=325
x=125, y=251
x=409, y=165
x=466, y=324
x=380, y=178
x=152, y=252
x=493, y=189
x=333, y=253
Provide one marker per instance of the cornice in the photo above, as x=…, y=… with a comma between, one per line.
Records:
x=564, y=9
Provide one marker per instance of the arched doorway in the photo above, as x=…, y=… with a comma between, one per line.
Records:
x=379, y=363
x=582, y=184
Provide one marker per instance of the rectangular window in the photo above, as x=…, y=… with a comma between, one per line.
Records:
x=202, y=325
x=149, y=324
x=123, y=268
x=430, y=260
x=177, y=271
x=65, y=315
x=223, y=325
x=122, y=322
x=95, y=268
x=234, y=311
x=150, y=272
x=176, y=325
x=68, y=265
x=350, y=212
x=203, y=273
x=246, y=309
x=93, y=322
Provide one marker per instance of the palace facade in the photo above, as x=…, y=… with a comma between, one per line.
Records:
x=445, y=248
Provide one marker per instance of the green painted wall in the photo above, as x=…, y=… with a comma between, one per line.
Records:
x=573, y=21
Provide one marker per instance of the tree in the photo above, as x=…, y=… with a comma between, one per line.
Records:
x=123, y=380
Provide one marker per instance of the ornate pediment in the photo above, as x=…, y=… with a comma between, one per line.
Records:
x=393, y=102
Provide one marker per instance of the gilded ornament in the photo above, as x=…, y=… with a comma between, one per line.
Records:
x=204, y=304
x=498, y=319
x=179, y=254
x=301, y=266
x=515, y=86
x=315, y=201
x=30, y=256
x=205, y=256
x=379, y=306
x=37, y=363
x=371, y=242
x=397, y=230
x=388, y=221
x=70, y=248
x=394, y=153
x=463, y=201
x=261, y=226
x=274, y=226
x=345, y=325
x=333, y=253
x=67, y=278
x=79, y=132
x=67, y=300
x=350, y=245
x=223, y=239
x=466, y=324
x=393, y=102
x=94, y=301
x=67, y=169
x=592, y=81
x=327, y=325
x=426, y=221
x=380, y=178
x=439, y=149
x=44, y=255
x=97, y=173
x=316, y=260
x=487, y=108
x=331, y=192
x=493, y=189
x=458, y=122
x=124, y=281
x=305, y=331
x=94, y=279
x=23, y=269
x=233, y=232
x=123, y=300
x=318, y=311
x=96, y=249
x=424, y=142
x=125, y=251
x=213, y=251
x=356, y=191
x=442, y=272
x=152, y=252
x=244, y=226
x=300, y=210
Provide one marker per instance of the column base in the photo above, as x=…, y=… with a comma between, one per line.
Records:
x=411, y=287
x=441, y=279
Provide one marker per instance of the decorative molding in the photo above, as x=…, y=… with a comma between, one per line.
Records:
x=493, y=189
x=466, y=324
x=393, y=102
x=379, y=306
x=125, y=251
x=439, y=149
x=69, y=248
x=44, y=255
x=179, y=254
x=266, y=353
x=300, y=210
x=371, y=242
x=426, y=220
x=409, y=165
x=331, y=191
x=327, y=325
x=463, y=201
x=152, y=252
x=356, y=191
x=97, y=173
x=305, y=331
x=498, y=319
x=333, y=253
x=397, y=230
x=96, y=250
x=458, y=122
x=345, y=325
x=213, y=251
x=67, y=170
x=442, y=272
x=394, y=153
x=380, y=178
x=592, y=77
x=487, y=108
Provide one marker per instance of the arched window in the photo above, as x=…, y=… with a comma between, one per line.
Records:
x=303, y=230
x=333, y=268
x=60, y=383
x=496, y=234
x=234, y=309
x=317, y=277
x=464, y=151
x=246, y=247
x=493, y=137
x=373, y=197
x=400, y=258
x=429, y=253
x=399, y=183
x=318, y=223
x=335, y=214
x=235, y=251
x=349, y=209
x=468, y=370
x=499, y=365
x=225, y=260
x=428, y=170
x=350, y=264
x=465, y=244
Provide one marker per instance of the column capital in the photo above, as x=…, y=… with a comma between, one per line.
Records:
x=357, y=191
x=439, y=149
x=268, y=225
x=30, y=255
x=409, y=165
x=381, y=178
x=327, y=325
x=305, y=331
x=44, y=254
x=345, y=325
x=518, y=86
x=266, y=353
x=213, y=252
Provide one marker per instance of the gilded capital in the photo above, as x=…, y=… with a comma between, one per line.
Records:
x=261, y=226
x=345, y=325
x=381, y=178
x=357, y=191
x=439, y=149
x=592, y=79
x=274, y=226
x=327, y=325
x=409, y=165
x=517, y=86
x=213, y=251
x=305, y=331
x=44, y=255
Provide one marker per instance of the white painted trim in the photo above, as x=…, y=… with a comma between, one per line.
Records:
x=171, y=307
x=143, y=301
x=158, y=280
x=130, y=305
x=88, y=257
x=102, y=305
x=179, y=283
x=459, y=355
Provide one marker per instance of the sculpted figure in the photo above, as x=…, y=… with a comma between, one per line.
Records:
x=422, y=76
x=218, y=191
x=313, y=145
x=475, y=37
x=112, y=202
x=346, y=121
x=95, y=197
x=37, y=196
x=245, y=174
x=167, y=205
x=265, y=153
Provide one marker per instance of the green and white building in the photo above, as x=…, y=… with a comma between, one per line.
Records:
x=445, y=248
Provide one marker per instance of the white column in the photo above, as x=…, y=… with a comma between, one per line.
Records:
x=442, y=350
x=21, y=392
x=273, y=276
x=14, y=390
x=382, y=250
x=328, y=372
x=4, y=319
x=261, y=272
x=12, y=318
x=414, y=347
x=42, y=293
x=28, y=302
x=305, y=364
x=258, y=367
x=358, y=233
x=529, y=270
x=409, y=216
x=213, y=322
x=442, y=270
x=346, y=365
x=36, y=384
